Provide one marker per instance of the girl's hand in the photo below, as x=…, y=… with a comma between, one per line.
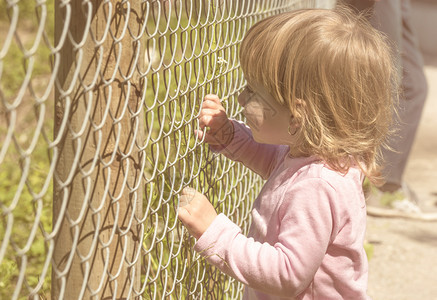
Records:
x=213, y=115
x=195, y=211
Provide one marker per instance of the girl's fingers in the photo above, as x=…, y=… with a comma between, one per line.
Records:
x=212, y=119
x=209, y=112
x=205, y=115
x=183, y=215
x=184, y=200
x=208, y=137
x=205, y=120
x=186, y=196
x=199, y=134
x=188, y=191
x=218, y=130
x=212, y=105
x=213, y=97
x=212, y=139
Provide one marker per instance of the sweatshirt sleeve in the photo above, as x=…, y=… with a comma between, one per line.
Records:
x=287, y=267
x=260, y=158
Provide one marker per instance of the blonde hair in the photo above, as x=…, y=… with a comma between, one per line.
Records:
x=335, y=74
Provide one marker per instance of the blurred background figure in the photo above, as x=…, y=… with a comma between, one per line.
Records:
x=392, y=17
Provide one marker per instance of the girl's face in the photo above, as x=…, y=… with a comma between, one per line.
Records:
x=267, y=119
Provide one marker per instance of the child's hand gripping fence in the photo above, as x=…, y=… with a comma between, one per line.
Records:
x=98, y=106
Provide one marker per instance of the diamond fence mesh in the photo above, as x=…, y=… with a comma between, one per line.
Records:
x=99, y=103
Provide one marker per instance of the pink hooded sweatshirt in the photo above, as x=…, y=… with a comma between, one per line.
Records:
x=307, y=231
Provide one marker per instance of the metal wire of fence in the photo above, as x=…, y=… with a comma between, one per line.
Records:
x=98, y=105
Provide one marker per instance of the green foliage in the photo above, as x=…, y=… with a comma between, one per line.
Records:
x=13, y=71
x=368, y=247
x=7, y=268
x=24, y=218
x=26, y=10
x=385, y=199
x=15, y=65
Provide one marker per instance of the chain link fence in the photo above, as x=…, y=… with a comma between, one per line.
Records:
x=98, y=108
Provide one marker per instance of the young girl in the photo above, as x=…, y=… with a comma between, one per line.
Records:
x=318, y=103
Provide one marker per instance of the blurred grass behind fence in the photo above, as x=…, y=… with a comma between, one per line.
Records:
x=13, y=70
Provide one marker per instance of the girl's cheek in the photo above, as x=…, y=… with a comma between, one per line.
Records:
x=255, y=114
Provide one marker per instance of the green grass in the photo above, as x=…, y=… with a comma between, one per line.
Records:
x=24, y=218
x=14, y=67
x=368, y=247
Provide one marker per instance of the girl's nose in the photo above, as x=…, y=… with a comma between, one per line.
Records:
x=241, y=98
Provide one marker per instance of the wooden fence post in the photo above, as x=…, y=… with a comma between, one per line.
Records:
x=98, y=172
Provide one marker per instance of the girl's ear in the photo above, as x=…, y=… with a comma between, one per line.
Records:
x=294, y=124
x=297, y=115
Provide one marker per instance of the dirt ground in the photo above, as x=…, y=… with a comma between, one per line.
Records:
x=404, y=262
